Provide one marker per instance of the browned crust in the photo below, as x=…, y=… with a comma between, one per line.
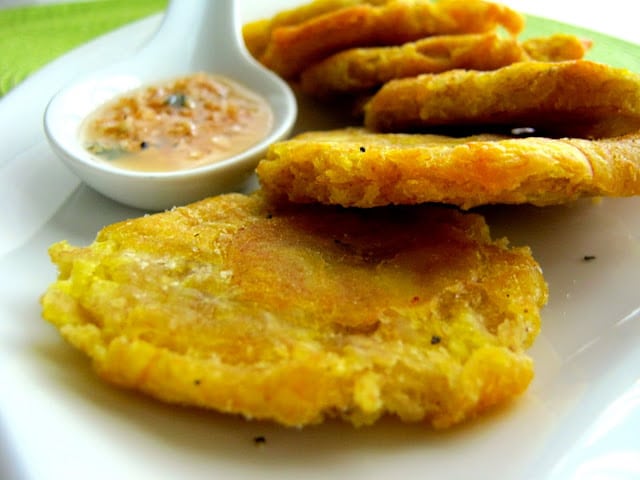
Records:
x=258, y=33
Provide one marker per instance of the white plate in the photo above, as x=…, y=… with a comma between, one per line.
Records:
x=579, y=419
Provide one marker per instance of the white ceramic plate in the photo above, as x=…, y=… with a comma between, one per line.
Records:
x=580, y=418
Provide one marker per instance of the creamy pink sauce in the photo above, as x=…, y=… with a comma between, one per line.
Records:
x=186, y=123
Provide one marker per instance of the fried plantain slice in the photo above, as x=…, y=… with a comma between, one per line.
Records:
x=257, y=34
x=294, y=47
x=578, y=98
x=356, y=167
x=360, y=70
x=301, y=313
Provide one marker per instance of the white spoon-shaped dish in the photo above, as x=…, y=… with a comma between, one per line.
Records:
x=194, y=36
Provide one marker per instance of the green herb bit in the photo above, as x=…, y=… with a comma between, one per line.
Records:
x=107, y=153
x=177, y=100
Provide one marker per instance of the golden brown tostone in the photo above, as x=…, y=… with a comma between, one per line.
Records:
x=579, y=98
x=303, y=313
x=363, y=70
x=356, y=167
x=291, y=43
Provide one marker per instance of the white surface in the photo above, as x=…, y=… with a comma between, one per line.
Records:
x=579, y=420
x=212, y=42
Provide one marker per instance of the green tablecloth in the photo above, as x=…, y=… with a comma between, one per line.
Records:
x=32, y=36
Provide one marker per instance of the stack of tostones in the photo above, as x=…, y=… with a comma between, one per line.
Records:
x=347, y=47
x=301, y=313
x=446, y=115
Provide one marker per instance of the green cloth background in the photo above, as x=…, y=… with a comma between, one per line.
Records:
x=32, y=36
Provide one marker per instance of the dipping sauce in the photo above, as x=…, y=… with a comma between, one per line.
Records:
x=186, y=123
